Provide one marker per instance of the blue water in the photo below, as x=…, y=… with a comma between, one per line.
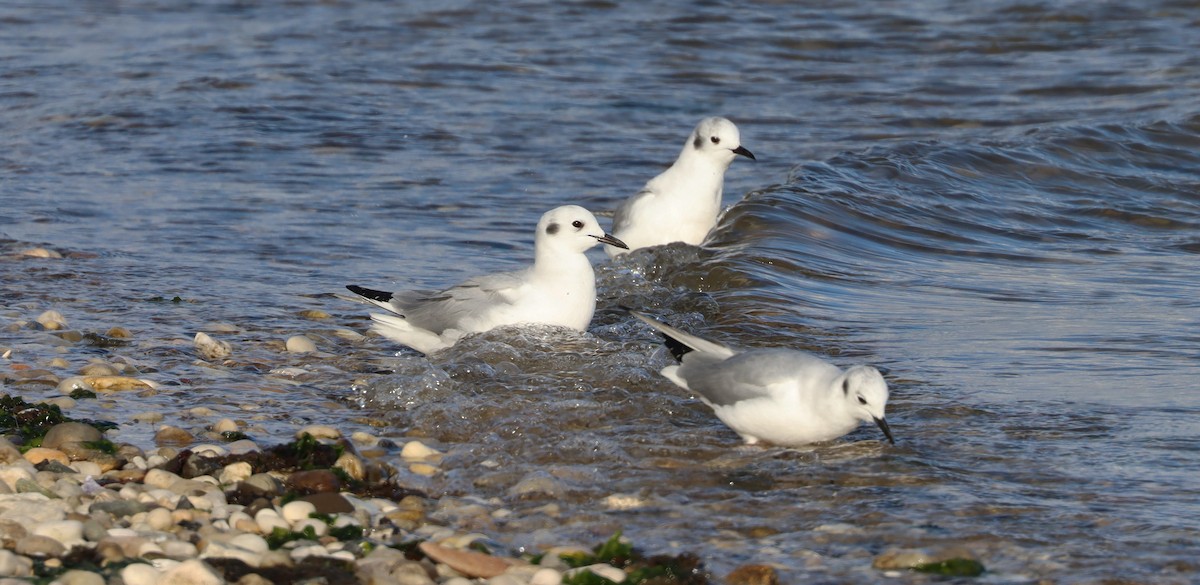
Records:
x=996, y=202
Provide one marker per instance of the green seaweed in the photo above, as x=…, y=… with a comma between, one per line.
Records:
x=281, y=536
x=956, y=567
x=101, y=445
x=81, y=394
x=31, y=422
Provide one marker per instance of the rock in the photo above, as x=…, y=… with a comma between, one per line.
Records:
x=364, y=439
x=300, y=344
x=69, y=533
x=148, y=417
x=40, y=253
x=263, y=484
x=12, y=565
x=9, y=453
x=159, y=519
x=169, y=435
x=139, y=574
x=352, y=465
x=29, y=486
x=538, y=483
x=416, y=450
x=329, y=503
x=191, y=572
x=753, y=575
x=225, y=425
x=251, y=542
x=52, y=320
x=319, y=432
x=211, y=349
x=118, y=508
x=78, y=577
x=411, y=573
x=119, y=332
x=70, y=432
x=297, y=510
x=36, y=545
x=253, y=579
x=604, y=570
x=235, y=472
x=11, y=475
x=546, y=577
x=315, y=314
x=268, y=520
x=39, y=454
x=469, y=563
x=98, y=369
x=314, y=481
x=901, y=558
x=116, y=383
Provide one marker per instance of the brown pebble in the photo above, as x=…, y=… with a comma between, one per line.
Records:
x=169, y=435
x=119, y=333
x=329, y=503
x=314, y=481
x=39, y=454
x=753, y=575
x=469, y=563
x=67, y=433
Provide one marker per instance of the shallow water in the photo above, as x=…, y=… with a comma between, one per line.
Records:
x=998, y=204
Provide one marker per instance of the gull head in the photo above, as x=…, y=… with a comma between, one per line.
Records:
x=866, y=395
x=718, y=138
x=572, y=228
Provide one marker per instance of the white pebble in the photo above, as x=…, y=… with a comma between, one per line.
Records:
x=319, y=527
x=67, y=532
x=268, y=519
x=225, y=425
x=139, y=574
x=192, y=572
x=297, y=510
x=235, y=472
x=319, y=432
x=209, y=450
x=300, y=344
x=209, y=348
x=251, y=542
x=159, y=519
x=417, y=450
x=546, y=577
x=52, y=320
x=301, y=552
x=86, y=468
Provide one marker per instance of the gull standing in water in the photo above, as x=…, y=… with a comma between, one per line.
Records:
x=782, y=396
x=682, y=203
x=559, y=289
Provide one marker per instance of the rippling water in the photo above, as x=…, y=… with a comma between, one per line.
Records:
x=995, y=202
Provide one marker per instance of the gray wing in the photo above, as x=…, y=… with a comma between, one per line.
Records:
x=445, y=309
x=750, y=374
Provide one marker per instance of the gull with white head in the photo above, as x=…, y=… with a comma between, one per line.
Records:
x=777, y=395
x=682, y=203
x=559, y=289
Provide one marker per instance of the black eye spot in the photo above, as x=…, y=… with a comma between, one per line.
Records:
x=715, y=140
x=862, y=401
x=578, y=224
x=552, y=229
x=846, y=387
x=697, y=142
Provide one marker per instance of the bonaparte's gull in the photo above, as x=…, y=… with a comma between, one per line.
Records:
x=559, y=289
x=778, y=395
x=682, y=203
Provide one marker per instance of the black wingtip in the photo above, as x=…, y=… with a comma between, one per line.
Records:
x=677, y=348
x=374, y=295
